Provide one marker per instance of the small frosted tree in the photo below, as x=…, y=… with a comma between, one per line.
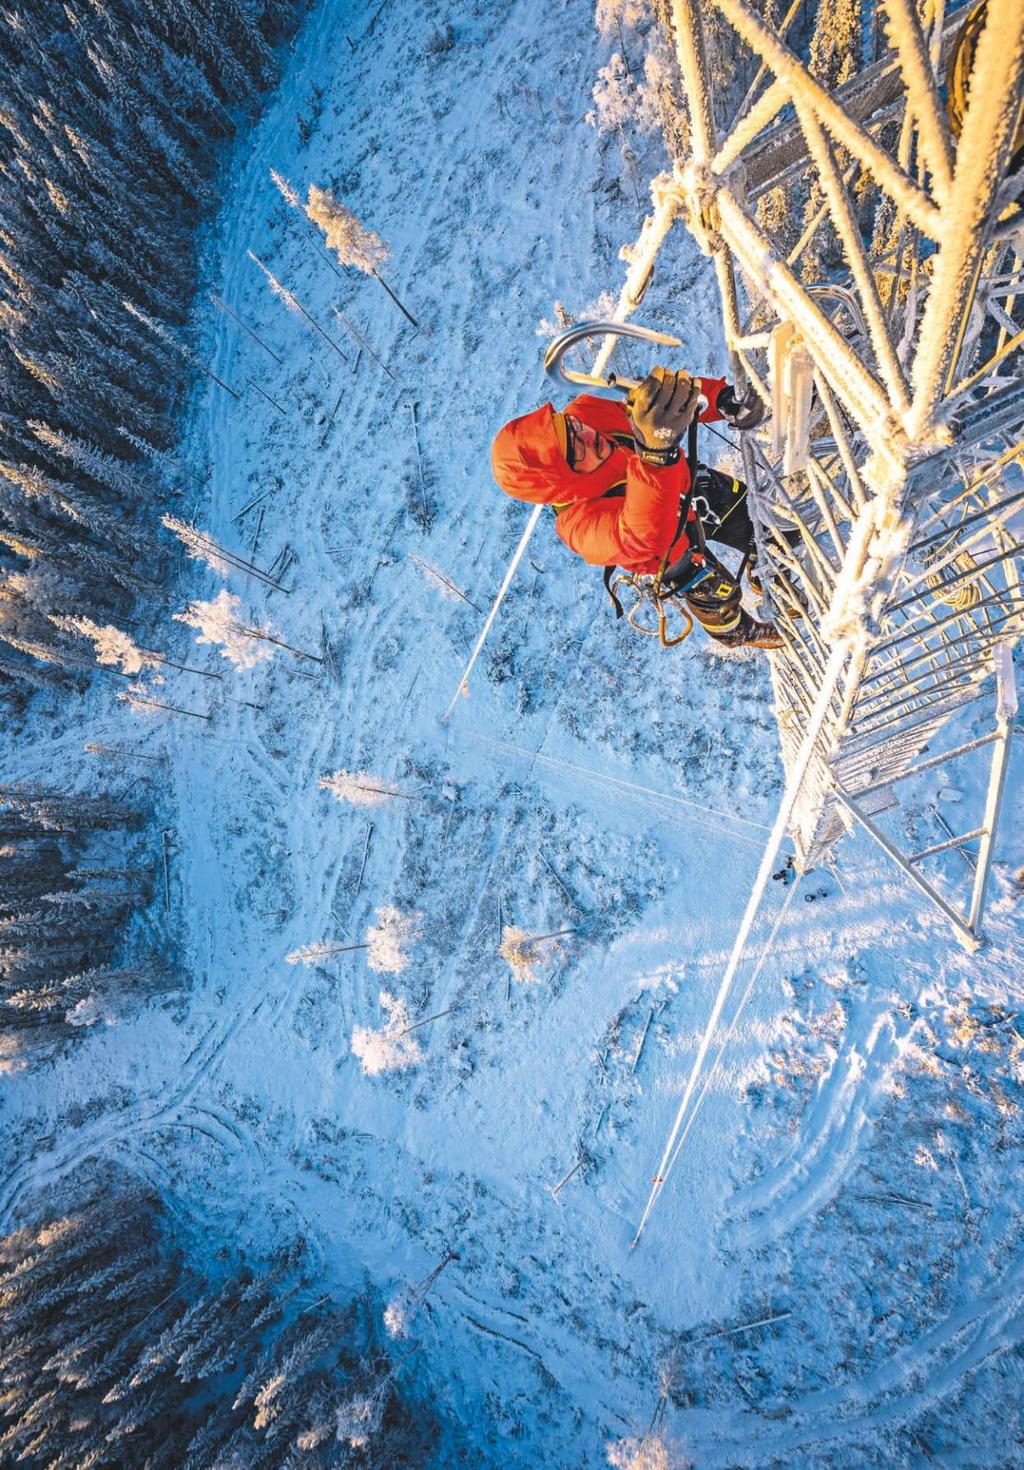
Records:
x=114, y=647
x=318, y=951
x=359, y=788
x=645, y=1454
x=389, y=938
x=522, y=951
x=613, y=96
x=293, y=303
x=610, y=16
x=351, y=241
x=389, y=1048
x=358, y=1419
x=201, y=548
x=400, y=1311
x=217, y=622
x=244, y=644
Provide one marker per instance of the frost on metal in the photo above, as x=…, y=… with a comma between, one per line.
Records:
x=866, y=237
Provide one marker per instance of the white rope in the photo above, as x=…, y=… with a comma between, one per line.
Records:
x=791, y=795
x=699, y=1100
x=463, y=684
x=619, y=781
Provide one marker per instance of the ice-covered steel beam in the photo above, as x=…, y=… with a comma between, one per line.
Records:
x=856, y=256
x=692, y=55
x=764, y=111
x=985, y=146
x=831, y=352
x=904, y=30
x=788, y=68
x=874, y=91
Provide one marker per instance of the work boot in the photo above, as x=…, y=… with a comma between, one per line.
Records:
x=749, y=633
x=793, y=603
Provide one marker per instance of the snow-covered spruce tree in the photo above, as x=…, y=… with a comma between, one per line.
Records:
x=61, y=922
x=110, y=134
x=116, y=1352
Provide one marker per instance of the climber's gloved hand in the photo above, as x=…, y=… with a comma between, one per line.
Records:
x=741, y=411
x=660, y=410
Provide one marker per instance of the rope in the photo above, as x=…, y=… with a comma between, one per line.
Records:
x=791, y=795
x=463, y=684
x=699, y=1101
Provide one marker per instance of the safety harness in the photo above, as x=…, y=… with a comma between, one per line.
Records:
x=669, y=584
x=665, y=588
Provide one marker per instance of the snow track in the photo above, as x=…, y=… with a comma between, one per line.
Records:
x=828, y=1138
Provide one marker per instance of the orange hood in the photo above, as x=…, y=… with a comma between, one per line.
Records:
x=529, y=464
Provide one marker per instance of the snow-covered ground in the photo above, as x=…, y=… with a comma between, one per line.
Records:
x=855, y=1174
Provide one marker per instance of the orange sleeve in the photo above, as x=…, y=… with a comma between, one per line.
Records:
x=634, y=530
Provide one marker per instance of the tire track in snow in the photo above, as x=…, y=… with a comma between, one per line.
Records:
x=93, y=1139
x=827, y=1143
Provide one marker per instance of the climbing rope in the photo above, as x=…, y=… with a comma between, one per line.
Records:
x=794, y=786
x=716, y=1064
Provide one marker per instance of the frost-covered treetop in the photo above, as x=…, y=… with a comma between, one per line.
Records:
x=388, y=939
x=196, y=545
x=522, y=951
x=390, y=1049
x=358, y=788
x=289, y=193
x=612, y=16
x=112, y=646
x=218, y=622
x=644, y=1454
x=352, y=242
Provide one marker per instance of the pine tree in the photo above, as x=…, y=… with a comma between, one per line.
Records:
x=109, y=125
x=113, y=1350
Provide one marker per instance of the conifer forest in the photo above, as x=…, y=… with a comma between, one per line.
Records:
x=444, y=1022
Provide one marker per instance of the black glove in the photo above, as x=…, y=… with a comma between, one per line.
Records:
x=744, y=412
x=660, y=411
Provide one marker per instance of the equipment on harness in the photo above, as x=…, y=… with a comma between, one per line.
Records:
x=663, y=590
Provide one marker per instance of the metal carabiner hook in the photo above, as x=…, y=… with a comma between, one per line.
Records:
x=612, y=386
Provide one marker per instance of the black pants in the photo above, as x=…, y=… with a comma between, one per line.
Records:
x=720, y=502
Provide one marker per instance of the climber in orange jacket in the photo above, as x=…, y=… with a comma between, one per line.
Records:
x=616, y=477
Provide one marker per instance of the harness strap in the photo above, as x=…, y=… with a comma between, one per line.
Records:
x=609, y=573
x=697, y=553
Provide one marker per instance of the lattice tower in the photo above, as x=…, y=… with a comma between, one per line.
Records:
x=892, y=458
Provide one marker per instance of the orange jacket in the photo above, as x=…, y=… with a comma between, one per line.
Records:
x=632, y=529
